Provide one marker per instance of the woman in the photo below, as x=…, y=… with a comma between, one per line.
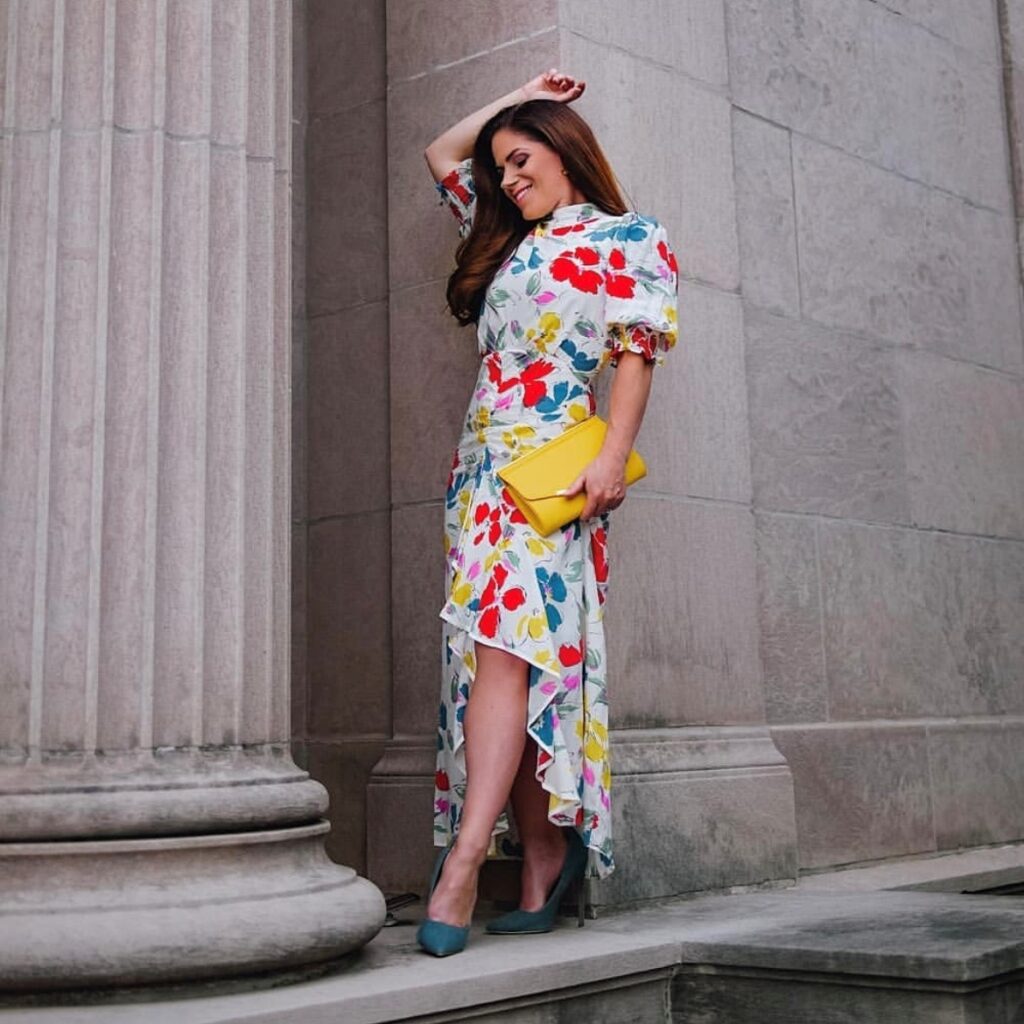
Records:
x=561, y=279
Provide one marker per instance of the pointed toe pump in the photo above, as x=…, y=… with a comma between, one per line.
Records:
x=532, y=922
x=436, y=937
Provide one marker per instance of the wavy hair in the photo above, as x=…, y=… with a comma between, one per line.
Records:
x=498, y=226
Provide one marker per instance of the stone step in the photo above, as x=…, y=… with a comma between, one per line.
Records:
x=824, y=954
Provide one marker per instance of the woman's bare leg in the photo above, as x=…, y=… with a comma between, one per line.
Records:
x=495, y=734
x=543, y=843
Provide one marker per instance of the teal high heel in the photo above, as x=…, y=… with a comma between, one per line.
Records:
x=436, y=937
x=532, y=922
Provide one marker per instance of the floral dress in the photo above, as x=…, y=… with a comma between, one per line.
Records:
x=582, y=287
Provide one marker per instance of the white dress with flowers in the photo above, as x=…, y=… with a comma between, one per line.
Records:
x=581, y=288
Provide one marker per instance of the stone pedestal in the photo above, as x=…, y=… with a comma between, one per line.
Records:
x=152, y=824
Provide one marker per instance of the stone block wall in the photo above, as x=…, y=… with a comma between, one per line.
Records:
x=881, y=294
x=341, y=505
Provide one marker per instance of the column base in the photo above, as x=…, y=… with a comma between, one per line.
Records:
x=145, y=911
x=698, y=809
x=695, y=809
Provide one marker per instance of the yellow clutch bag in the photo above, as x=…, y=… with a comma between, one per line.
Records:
x=534, y=479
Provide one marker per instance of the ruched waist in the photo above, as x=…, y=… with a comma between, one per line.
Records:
x=520, y=401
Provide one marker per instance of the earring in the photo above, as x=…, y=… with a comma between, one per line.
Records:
x=565, y=172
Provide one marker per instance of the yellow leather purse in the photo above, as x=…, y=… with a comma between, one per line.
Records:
x=535, y=480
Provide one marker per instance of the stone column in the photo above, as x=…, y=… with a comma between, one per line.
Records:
x=152, y=823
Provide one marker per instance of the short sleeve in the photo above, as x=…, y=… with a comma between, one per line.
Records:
x=641, y=298
x=457, y=193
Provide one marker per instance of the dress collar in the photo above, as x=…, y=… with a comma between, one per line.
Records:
x=570, y=214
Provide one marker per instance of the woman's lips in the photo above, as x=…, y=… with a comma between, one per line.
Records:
x=518, y=196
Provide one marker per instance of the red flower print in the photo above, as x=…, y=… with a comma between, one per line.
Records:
x=599, y=551
x=565, y=229
x=494, y=369
x=500, y=574
x=534, y=388
x=669, y=257
x=489, y=622
x=569, y=655
x=487, y=597
x=511, y=507
x=514, y=598
x=441, y=780
x=571, y=265
x=451, y=182
x=619, y=286
x=483, y=510
x=579, y=815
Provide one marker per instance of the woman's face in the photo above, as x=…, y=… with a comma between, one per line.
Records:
x=530, y=173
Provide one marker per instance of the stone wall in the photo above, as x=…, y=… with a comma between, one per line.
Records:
x=882, y=333
x=826, y=558
x=341, y=506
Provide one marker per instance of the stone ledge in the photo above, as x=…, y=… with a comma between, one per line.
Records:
x=823, y=950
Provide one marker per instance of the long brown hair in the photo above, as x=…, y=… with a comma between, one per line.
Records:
x=498, y=226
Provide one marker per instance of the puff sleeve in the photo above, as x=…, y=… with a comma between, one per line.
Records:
x=457, y=193
x=641, y=297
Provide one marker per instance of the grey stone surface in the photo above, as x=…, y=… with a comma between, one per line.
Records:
x=683, y=173
x=789, y=616
x=862, y=793
x=832, y=954
x=350, y=640
x=765, y=214
x=347, y=65
x=964, y=441
x=681, y=617
x=865, y=80
x=347, y=213
x=433, y=369
x=919, y=623
x=909, y=264
x=421, y=37
x=825, y=421
x=685, y=35
x=417, y=595
x=348, y=412
x=694, y=433
x=344, y=765
x=751, y=996
x=972, y=25
x=145, y=611
x=977, y=781
x=697, y=809
x=400, y=805
x=245, y=903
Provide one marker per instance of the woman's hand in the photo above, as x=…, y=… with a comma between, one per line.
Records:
x=604, y=481
x=553, y=85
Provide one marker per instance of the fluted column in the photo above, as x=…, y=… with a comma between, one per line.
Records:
x=144, y=503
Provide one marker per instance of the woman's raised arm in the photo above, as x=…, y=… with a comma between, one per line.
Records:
x=455, y=144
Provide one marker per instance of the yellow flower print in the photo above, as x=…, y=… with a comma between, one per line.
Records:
x=481, y=421
x=515, y=437
x=550, y=324
x=462, y=589
x=539, y=545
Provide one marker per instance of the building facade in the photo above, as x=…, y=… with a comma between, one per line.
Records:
x=225, y=340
